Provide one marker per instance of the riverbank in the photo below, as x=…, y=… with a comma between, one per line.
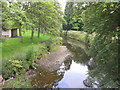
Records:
x=73, y=38
x=81, y=36
x=23, y=56
x=53, y=61
x=47, y=55
x=51, y=74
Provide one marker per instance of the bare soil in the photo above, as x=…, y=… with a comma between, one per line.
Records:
x=53, y=61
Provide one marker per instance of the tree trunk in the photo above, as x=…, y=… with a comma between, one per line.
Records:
x=39, y=33
x=20, y=34
x=32, y=34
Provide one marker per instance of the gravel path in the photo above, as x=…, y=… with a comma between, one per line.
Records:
x=53, y=61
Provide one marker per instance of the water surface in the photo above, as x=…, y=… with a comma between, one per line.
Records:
x=73, y=78
x=71, y=73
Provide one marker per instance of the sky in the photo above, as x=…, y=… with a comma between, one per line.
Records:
x=63, y=3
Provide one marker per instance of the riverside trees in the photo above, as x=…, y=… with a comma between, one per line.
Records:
x=102, y=19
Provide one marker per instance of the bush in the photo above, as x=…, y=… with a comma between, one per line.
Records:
x=30, y=54
x=23, y=60
x=40, y=50
x=12, y=68
x=53, y=43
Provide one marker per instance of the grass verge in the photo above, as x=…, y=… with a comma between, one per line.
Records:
x=81, y=35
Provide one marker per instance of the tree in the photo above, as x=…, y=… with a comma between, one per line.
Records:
x=40, y=16
x=102, y=19
x=47, y=17
x=14, y=17
x=69, y=12
x=72, y=16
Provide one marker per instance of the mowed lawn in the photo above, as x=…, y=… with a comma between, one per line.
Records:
x=12, y=46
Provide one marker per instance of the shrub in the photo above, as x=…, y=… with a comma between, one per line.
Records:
x=22, y=61
x=40, y=50
x=53, y=43
x=12, y=68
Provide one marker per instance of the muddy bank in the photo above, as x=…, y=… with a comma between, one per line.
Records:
x=53, y=61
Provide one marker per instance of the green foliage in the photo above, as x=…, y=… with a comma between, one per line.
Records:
x=47, y=16
x=18, y=82
x=73, y=16
x=53, y=43
x=41, y=16
x=102, y=19
x=29, y=51
x=30, y=55
x=101, y=22
x=13, y=16
x=40, y=51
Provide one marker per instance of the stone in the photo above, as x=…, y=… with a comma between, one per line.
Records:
x=87, y=83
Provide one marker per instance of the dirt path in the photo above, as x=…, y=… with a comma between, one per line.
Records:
x=53, y=61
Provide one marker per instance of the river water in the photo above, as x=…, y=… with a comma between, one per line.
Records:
x=71, y=73
x=73, y=78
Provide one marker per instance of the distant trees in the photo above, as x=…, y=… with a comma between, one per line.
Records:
x=73, y=16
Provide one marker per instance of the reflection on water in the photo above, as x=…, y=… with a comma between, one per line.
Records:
x=73, y=78
x=71, y=73
x=46, y=79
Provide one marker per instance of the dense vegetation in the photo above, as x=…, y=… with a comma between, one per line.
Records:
x=102, y=20
x=73, y=16
x=39, y=25
x=19, y=57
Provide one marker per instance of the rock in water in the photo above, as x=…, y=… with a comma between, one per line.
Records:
x=87, y=83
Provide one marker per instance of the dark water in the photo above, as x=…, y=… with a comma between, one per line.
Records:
x=71, y=73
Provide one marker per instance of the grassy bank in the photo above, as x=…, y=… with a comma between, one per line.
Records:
x=19, y=57
x=11, y=45
x=83, y=36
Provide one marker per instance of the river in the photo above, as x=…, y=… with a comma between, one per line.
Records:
x=71, y=74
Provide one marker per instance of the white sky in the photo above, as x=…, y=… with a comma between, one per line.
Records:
x=63, y=3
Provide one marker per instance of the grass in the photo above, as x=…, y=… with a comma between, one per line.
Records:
x=81, y=35
x=17, y=57
x=13, y=45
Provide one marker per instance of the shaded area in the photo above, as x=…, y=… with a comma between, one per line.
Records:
x=78, y=50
